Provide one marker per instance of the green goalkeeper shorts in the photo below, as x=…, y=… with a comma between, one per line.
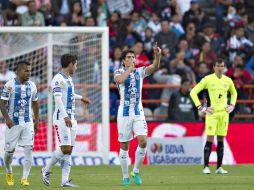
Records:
x=217, y=124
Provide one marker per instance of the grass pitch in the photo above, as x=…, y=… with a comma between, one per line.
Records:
x=154, y=178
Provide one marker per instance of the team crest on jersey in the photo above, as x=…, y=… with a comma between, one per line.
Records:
x=9, y=89
x=57, y=83
x=62, y=83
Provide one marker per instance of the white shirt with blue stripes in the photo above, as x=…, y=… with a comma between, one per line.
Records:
x=19, y=97
x=131, y=92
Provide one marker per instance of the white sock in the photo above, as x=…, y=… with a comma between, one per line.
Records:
x=139, y=158
x=124, y=161
x=27, y=162
x=66, y=167
x=55, y=158
x=8, y=160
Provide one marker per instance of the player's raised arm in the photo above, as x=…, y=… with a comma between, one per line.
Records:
x=156, y=63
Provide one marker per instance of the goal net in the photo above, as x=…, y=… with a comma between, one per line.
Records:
x=43, y=47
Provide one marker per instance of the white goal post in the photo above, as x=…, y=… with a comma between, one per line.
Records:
x=44, y=46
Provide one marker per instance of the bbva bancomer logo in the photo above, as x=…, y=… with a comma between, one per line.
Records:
x=157, y=148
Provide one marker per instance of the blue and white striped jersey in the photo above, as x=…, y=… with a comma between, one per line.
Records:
x=63, y=86
x=131, y=92
x=19, y=97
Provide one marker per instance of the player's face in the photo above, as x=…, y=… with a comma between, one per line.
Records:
x=130, y=58
x=24, y=72
x=73, y=67
x=218, y=68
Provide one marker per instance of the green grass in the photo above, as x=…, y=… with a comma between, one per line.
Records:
x=154, y=178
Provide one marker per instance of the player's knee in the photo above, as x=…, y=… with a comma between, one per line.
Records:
x=142, y=143
x=66, y=149
x=124, y=146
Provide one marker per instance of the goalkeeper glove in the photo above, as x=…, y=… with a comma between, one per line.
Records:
x=230, y=108
x=205, y=110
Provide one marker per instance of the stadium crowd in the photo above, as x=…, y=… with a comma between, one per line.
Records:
x=190, y=38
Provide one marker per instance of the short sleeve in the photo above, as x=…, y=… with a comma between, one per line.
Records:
x=117, y=73
x=34, y=92
x=57, y=86
x=7, y=90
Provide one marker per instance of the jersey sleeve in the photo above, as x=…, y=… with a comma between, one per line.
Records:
x=198, y=88
x=57, y=86
x=117, y=73
x=34, y=92
x=7, y=90
x=233, y=92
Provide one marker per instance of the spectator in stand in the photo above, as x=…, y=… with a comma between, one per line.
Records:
x=117, y=30
x=148, y=40
x=181, y=107
x=4, y=4
x=166, y=36
x=61, y=10
x=11, y=18
x=76, y=15
x=176, y=26
x=249, y=29
x=166, y=56
x=195, y=15
x=209, y=35
x=99, y=12
x=131, y=36
x=139, y=23
x=46, y=9
x=141, y=59
x=220, y=9
x=115, y=62
x=184, y=47
x=179, y=63
x=202, y=71
x=238, y=44
x=89, y=21
x=190, y=37
x=206, y=55
x=232, y=17
x=32, y=17
x=86, y=5
x=154, y=23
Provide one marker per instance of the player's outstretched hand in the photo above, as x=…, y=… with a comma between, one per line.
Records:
x=67, y=121
x=230, y=108
x=205, y=110
x=86, y=101
x=9, y=123
x=156, y=51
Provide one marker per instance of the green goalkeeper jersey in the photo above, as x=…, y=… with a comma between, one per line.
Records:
x=217, y=91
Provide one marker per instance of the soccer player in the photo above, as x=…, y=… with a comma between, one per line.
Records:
x=18, y=98
x=217, y=111
x=130, y=112
x=64, y=119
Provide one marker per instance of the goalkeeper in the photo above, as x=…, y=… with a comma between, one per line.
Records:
x=217, y=111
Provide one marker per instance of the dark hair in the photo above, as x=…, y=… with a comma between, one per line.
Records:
x=29, y=2
x=184, y=80
x=21, y=64
x=67, y=58
x=219, y=61
x=12, y=6
x=239, y=67
x=124, y=53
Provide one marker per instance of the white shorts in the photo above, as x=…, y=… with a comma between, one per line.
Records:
x=128, y=124
x=65, y=135
x=22, y=134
